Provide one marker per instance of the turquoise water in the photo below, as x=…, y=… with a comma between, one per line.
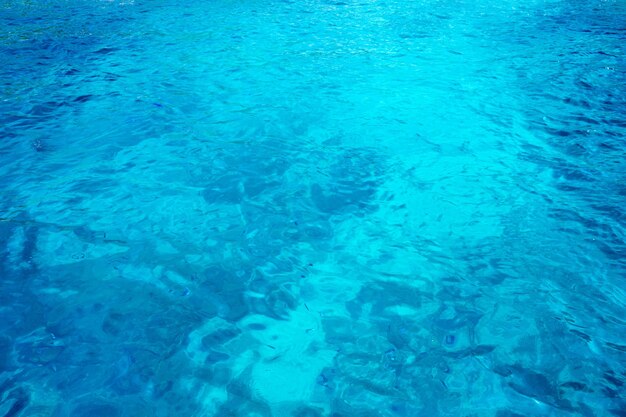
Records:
x=313, y=208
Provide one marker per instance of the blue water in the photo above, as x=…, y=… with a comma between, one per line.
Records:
x=307, y=208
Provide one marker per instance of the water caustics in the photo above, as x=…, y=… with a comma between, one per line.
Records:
x=315, y=208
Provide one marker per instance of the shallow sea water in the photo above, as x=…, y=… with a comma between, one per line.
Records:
x=313, y=208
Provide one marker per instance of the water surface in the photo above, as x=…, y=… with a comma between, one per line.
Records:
x=312, y=208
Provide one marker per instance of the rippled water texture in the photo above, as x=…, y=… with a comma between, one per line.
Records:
x=313, y=208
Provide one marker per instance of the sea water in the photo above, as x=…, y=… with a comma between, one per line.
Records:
x=307, y=208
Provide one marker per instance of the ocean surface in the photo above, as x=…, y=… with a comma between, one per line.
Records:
x=312, y=208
